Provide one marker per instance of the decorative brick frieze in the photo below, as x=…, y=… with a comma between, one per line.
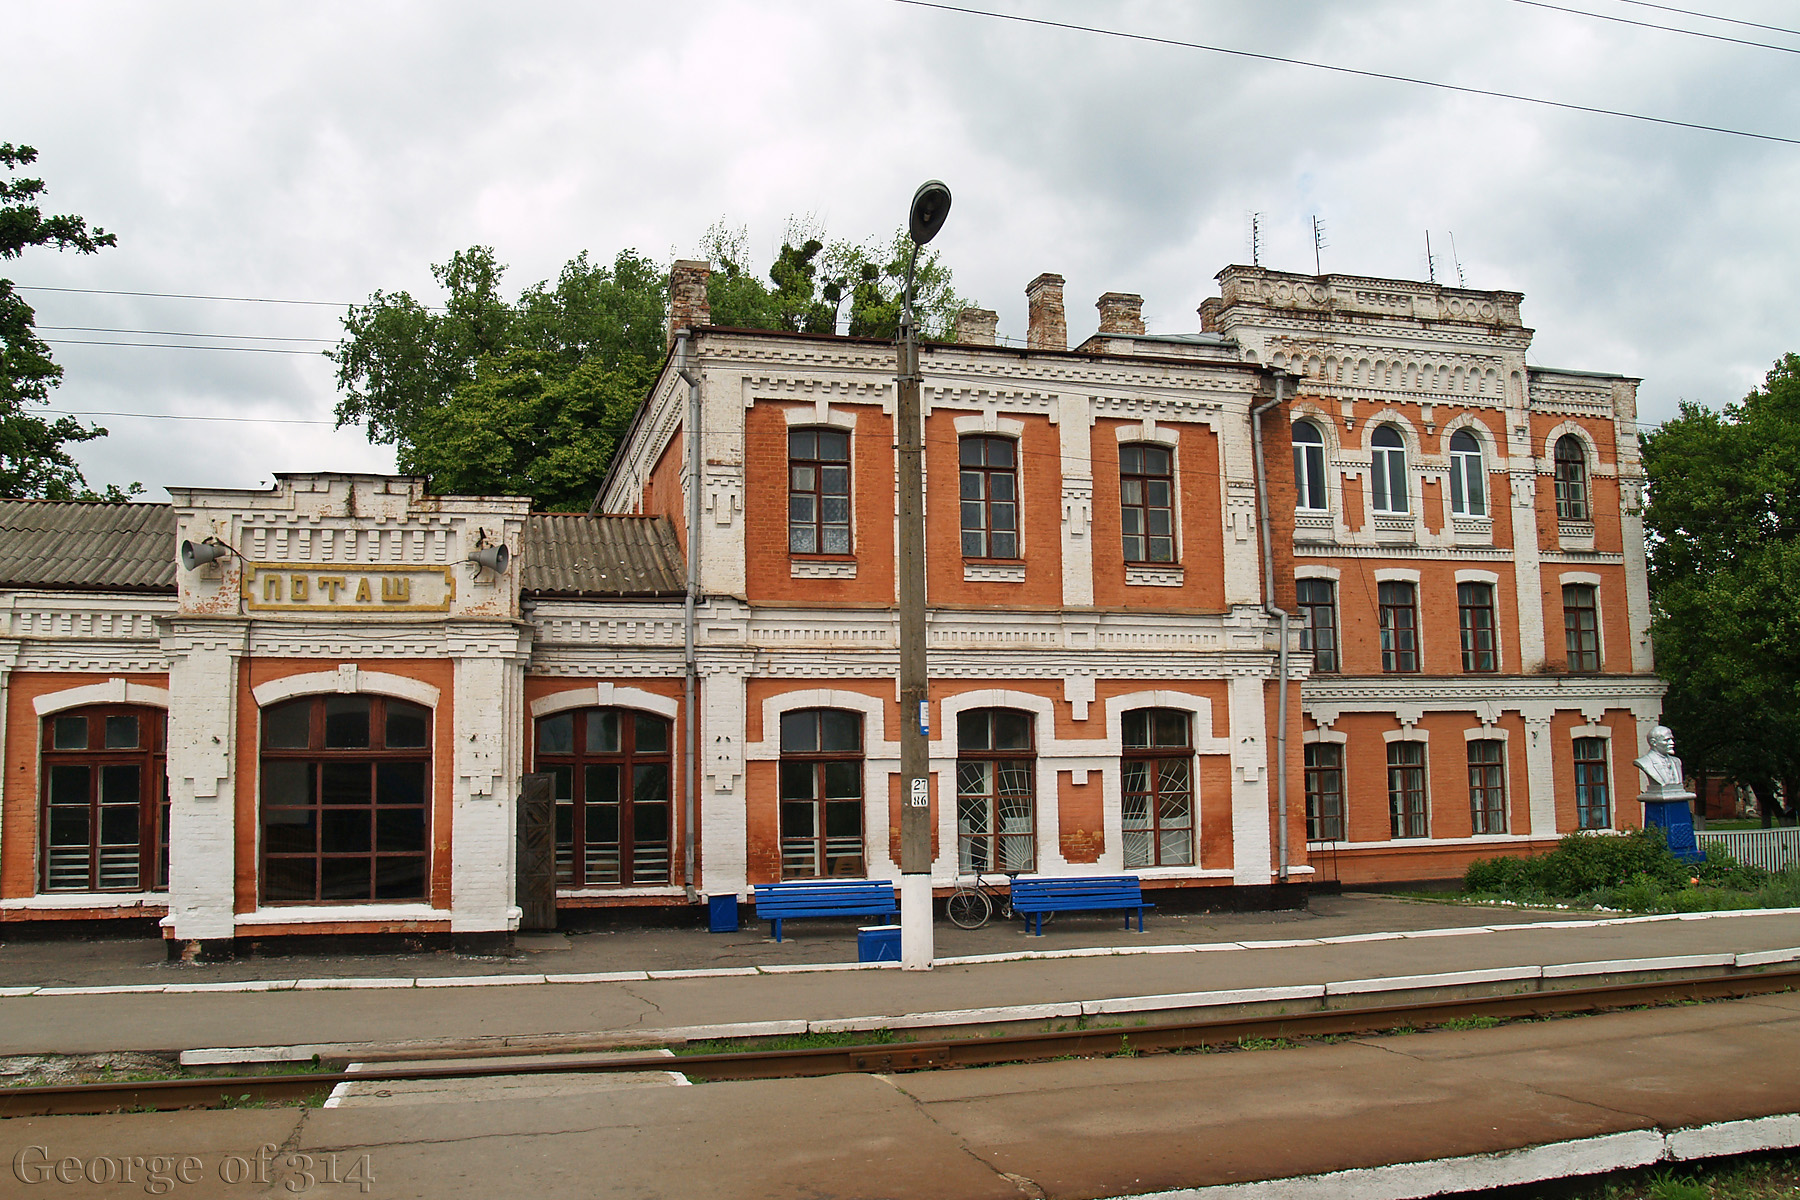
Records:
x=1136, y=576
x=809, y=568
x=993, y=573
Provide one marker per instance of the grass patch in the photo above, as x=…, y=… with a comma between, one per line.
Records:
x=795, y=1041
x=1458, y=1024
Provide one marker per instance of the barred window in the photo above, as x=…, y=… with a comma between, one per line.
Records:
x=1157, y=792
x=1324, y=792
x=821, y=793
x=996, y=809
x=612, y=771
x=346, y=789
x=818, y=491
x=105, y=806
x=1487, y=785
x=1406, y=789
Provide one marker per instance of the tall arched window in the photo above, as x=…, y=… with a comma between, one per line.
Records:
x=821, y=793
x=612, y=795
x=105, y=811
x=346, y=789
x=1387, y=474
x=996, y=812
x=1468, y=478
x=1157, y=788
x=1309, y=467
x=1571, y=479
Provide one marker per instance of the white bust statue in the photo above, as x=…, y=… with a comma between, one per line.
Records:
x=1662, y=768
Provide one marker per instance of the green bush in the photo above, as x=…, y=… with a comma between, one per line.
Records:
x=1723, y=871
x=1583, y=863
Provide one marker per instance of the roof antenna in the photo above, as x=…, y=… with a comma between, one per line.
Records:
x=1319, y=243
x=1430, y=262
x=1253, y=230
x=1460, y=281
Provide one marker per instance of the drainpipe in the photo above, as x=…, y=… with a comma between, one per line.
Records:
x=690, y=685
x=1281, y=614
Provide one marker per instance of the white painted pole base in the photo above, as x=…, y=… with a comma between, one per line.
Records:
x=917, y=938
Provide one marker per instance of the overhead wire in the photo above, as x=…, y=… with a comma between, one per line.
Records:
x=1689, y=12
x=246, y=337
x=1714, y=37
x=1359, y=72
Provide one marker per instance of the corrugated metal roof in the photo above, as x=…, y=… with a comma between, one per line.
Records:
x=58, y=545
x=572, y=554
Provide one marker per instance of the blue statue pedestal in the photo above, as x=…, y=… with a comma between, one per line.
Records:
x=1671, y=814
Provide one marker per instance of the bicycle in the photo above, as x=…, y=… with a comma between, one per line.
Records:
x=972, y=905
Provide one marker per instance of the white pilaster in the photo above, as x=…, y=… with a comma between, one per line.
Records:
x=1540, y=768
x=1250, y=815
x=202, y=760
x=1074, y=421
x=488, y=722
x=724, y=798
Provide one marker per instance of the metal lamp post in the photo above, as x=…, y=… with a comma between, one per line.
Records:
x=930, y=205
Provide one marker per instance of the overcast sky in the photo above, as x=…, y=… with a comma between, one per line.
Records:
x=321, y=152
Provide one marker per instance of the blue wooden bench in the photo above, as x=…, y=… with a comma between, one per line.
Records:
x=1035, y=897
x=778, y=902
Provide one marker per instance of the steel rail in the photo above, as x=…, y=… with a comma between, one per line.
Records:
x=1089, y=1042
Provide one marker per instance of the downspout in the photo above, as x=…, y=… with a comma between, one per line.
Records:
x=1268, y=550
x=690, y=684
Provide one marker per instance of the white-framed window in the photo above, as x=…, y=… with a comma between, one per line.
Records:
x=1408, y=814
x=818, y=491
x=1309, y=467
x=1487, y=785
x=1571, y=479
x=1156, y=774
x=1387, y=471
x=1468, y=476
x=1147, y=502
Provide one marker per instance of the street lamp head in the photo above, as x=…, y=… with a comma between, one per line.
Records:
x=930, y=205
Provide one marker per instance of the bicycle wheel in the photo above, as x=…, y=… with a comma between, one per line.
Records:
x=969, y=908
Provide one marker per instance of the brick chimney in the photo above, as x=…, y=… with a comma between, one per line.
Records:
x=688, y=307
x=1209, y=314
x=975, y=326
x=1121, y=312
x=1046, y=328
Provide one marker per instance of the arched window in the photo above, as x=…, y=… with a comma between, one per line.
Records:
x=1309, y=467
x=1147, y=503
x=346, y=790
x=105, y=811
x=1387, y=474
x=990, y=497
x=1157, y=788
x=818, y=491
x=612, y=795
x=996, y=810
x=1468, y=479
x=1571, y=479
x=821, y=793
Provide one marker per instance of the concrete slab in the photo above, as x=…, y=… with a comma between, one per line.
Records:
x=502, y=1088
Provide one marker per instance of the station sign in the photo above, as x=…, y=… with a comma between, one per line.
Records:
x=340, y=588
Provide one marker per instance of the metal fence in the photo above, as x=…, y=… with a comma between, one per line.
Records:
x=1770, y=849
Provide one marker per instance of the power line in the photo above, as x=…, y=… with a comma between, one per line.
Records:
x=244, y=337
x=181, y=346
x=95, y=412
x=1715, y=37
x=1688, y=12
x=1341, y=70
x=184, y=296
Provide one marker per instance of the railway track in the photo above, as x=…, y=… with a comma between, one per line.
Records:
x=888, y=1057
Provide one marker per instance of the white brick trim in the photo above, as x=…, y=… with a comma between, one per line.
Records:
x=1396, y=575
x=605, y=695
x=113, y=691
x=353, y=681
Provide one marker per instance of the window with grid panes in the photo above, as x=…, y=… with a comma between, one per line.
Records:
x=1324, y=792
x=346, y=799
x=990, y=497
x=1487, y=785
x=1581, y=626
x=1147, y=503
x=1571, y=479
x=1309, y=467
x=1317, y=599
x=996, y=794
x=821, y=793
x=1398, y=602
x=612, y=771
x=818, y=491
x=105, y=809
x=1593, y=803
x=1406, y=789
x=1157, y=788
x=1475, y=615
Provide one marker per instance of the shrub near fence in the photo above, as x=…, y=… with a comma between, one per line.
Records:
x=1770, y=849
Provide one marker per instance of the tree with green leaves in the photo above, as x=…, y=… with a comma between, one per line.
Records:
x=1723, y=521
x=33, y=461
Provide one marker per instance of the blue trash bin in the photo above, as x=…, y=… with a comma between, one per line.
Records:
x=722, y=914
x=878, y=943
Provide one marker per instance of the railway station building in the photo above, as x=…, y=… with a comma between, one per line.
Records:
x=317, y=721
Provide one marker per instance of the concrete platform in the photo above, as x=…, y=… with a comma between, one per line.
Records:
x=1385, y=1117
